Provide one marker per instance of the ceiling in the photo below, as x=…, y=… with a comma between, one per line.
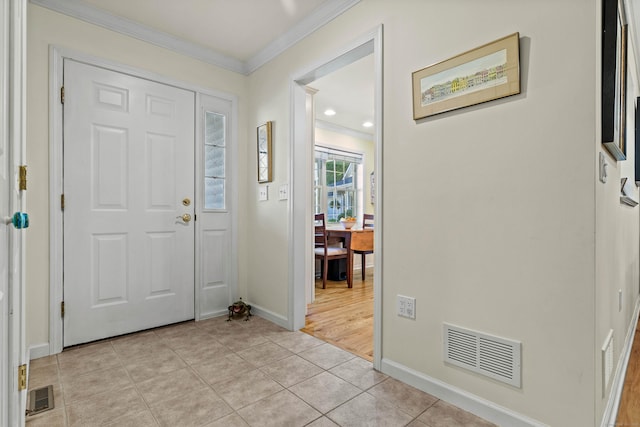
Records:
x=349, y=92
x=241, y=36
x=239, y=29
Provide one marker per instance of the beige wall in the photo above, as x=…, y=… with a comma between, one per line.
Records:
x=617, y=243
x=493, y=216
x=47, y=28
x=492, y=212
x=506, y=201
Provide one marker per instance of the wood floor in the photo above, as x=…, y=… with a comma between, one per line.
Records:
x=629, y=411
x=343, y=316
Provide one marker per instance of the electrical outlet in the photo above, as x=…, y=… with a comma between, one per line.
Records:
x=406, y=307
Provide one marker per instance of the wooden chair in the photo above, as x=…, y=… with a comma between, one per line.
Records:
x=367, y=222
x=322, y=250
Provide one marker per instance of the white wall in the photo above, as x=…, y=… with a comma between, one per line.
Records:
x=491, y=216
x=47, y=28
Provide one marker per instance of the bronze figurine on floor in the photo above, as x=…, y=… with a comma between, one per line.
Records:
x=239, y=308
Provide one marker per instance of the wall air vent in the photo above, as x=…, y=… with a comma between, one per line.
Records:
x=492, y=356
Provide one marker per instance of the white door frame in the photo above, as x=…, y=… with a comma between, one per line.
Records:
x=13, y=18
x=301, y=172
x=56, y=63
x=5, y=365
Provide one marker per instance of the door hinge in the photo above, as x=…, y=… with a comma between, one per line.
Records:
x=22, y=179
x=62, y=309
x=62, y=202
x=22, y=377
x=62, y=95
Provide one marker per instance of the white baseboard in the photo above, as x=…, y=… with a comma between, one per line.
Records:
x=212, y=314
x=37, y=351
x=270, y=316
x=476, y=405
x=615, y=394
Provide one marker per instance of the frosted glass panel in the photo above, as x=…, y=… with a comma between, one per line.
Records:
x=214, y=160
x=214, y=129
x=214, y=193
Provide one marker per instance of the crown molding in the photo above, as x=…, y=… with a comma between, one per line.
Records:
x=85, y=12
x=321, y=16
x=79, y=10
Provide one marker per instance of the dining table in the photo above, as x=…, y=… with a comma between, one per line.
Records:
x=353, y=239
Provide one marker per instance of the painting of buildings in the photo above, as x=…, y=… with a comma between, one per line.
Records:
x=482, y=73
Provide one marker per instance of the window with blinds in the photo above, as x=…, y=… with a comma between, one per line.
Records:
x=214, y=160
x=336, y=183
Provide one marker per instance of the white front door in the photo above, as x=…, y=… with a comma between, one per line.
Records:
x=129, y=203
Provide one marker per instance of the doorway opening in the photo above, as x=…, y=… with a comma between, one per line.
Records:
x=304, y=174
x=344, y=159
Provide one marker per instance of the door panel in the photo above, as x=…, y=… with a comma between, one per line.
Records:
x=128, y=164
x=216, y=243
x=109, y=258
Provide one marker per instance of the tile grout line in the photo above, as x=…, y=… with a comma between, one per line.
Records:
x=135, y=385
x=264, y=336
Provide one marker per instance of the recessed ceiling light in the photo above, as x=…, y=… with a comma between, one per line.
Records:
x=367, y=124
x=329, y=112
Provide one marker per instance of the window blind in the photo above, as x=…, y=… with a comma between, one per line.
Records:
x=326, y=153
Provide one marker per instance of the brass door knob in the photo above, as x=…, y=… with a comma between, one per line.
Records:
x=185, y=217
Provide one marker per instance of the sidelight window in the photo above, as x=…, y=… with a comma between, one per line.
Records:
x=214, y=160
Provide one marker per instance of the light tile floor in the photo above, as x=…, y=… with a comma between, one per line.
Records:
x=218, y=373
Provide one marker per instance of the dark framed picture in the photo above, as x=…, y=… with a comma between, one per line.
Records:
x=637, y=141
x=614, y=78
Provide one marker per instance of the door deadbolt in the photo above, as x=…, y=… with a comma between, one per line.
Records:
x=186, y=201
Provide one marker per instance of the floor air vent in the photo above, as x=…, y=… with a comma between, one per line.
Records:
x=494, y=357
x=40, y=400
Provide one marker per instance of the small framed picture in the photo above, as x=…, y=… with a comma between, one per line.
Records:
x=264, y=152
